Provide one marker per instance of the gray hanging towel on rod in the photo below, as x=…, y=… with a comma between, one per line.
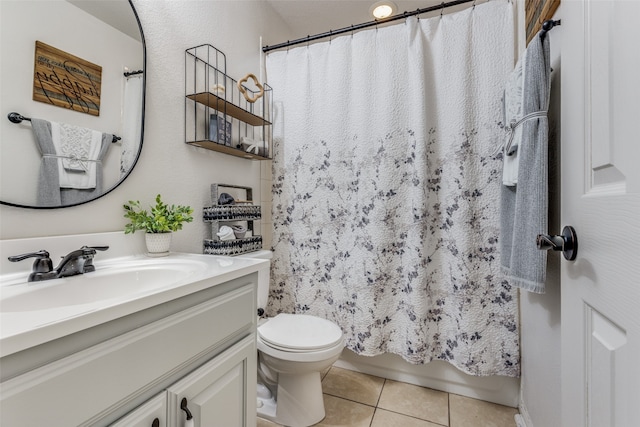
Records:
x=524, y=206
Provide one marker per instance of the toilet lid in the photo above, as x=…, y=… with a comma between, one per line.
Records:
x=299, y=332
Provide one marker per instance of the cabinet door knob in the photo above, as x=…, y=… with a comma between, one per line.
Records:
x=155, y=423
x=183, y=406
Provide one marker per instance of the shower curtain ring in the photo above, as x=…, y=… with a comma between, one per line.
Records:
x=441, y=10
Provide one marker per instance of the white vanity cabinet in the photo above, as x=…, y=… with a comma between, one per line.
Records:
x=151, y=414
x=130, y=371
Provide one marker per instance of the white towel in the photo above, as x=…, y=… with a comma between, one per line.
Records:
x=253, y=146
x=226, y=233
x=513, y=100
x=131, y=123
x=77, y=149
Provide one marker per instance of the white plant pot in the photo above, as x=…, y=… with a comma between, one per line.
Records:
x=158, y=243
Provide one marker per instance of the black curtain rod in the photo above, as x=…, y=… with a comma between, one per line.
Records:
x=331, y=33
x=546, y=26
x=18, y=118
x=132, y=73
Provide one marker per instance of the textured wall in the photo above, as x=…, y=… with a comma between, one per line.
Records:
x=167, y=165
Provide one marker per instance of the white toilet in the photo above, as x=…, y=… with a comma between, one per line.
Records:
x=292, y=351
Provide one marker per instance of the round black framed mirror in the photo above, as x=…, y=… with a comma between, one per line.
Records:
x=73, y=100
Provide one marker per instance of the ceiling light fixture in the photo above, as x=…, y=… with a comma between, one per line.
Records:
x=383, y=9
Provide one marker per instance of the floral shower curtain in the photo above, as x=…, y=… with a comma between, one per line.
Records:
x=386, y=188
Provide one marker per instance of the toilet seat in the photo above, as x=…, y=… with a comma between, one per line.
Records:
x=300, y=333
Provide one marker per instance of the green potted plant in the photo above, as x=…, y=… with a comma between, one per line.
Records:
x=158, y=224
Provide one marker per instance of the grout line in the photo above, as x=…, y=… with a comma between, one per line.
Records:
x=349, y=400
x=449, y=409
x=373, y=416
x=381, y=390
x=327, y=373
x=411, y=416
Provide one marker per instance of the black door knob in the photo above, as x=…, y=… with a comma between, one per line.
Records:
x=567, y=242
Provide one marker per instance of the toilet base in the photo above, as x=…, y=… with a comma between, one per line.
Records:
x=299, y=401
x=267, y=409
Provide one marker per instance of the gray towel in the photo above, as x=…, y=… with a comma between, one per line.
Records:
x=48, y=180
x=524, y=208
x=49, y=191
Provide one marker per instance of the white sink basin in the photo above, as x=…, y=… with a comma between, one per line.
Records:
x=106, y=283
x=125, y=282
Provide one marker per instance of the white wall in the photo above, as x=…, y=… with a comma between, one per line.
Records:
x=540, y=314
x=181, y=173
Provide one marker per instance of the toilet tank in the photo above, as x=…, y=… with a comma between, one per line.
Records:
x=264, y=275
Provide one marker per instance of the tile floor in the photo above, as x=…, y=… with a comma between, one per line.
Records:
x=359, y=400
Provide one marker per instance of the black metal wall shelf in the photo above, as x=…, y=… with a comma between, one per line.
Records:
x=218, y=116
x=214, y=146
x=219, y=104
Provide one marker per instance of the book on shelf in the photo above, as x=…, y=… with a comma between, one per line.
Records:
x=219, y=129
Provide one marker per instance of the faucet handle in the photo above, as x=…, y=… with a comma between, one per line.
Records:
x=91, y=250
x=96, y=248
x=42, y=263
x=39, y=254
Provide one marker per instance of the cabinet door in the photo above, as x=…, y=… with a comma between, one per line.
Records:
x=147, y=414
x=222, y=392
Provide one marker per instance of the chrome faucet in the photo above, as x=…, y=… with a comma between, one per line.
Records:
x=76, y=262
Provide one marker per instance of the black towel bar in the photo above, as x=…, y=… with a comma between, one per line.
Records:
x=548, y=25
x=18, y=118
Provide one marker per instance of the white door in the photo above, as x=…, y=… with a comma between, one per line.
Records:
x=601, y=199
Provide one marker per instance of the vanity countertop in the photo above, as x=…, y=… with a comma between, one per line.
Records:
x=38, y=312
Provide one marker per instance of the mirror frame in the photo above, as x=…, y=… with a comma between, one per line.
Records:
x=135, y=161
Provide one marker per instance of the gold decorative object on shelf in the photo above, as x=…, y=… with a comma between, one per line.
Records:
x=243, y=91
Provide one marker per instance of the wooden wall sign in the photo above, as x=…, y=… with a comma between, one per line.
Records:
x=536, y=12
x=65, y=80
